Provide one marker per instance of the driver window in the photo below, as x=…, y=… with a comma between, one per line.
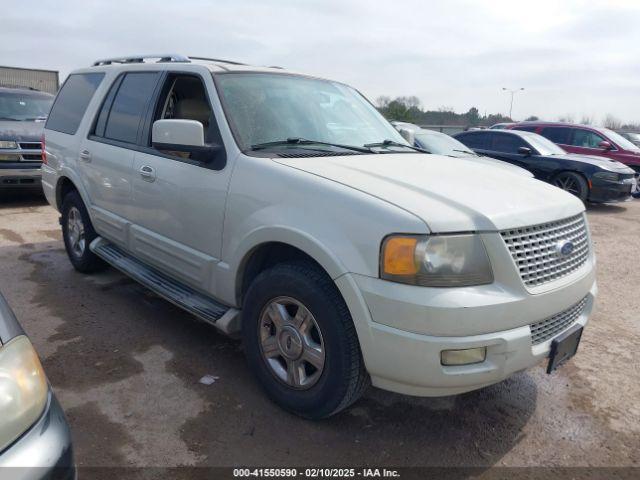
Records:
x=586, y=139
x=184, y=97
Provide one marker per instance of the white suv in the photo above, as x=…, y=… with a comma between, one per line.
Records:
x=286, y=209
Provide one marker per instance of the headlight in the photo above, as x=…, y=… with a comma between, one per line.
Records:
x=8, y=144
x=608, y=176
x=435, y=261
x=23, y=389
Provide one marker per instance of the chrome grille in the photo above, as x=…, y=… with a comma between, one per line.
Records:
x=535, y=249
x=548, y=328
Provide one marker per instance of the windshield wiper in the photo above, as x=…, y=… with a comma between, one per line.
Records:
x=304, y=141
x=11, y=119
x=391, y=143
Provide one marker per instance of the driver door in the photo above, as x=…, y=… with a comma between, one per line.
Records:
x=178, y=203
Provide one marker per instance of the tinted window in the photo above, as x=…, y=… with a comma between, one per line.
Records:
x=586, y=139
x=527, y=128
x=129, y=105
x=474, y=140
x=507, y=143
x=560, y=135
x=72, y=102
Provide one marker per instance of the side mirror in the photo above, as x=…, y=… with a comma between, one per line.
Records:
x=187, y=136
x=605, y=145
x=526, y=151
x=409, y=136
x=183, y=133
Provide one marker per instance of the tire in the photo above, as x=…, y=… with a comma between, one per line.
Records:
x=75, y=218
x=342, y=377
x=574, y=183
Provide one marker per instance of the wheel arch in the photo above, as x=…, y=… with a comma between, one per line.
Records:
x=267, y=246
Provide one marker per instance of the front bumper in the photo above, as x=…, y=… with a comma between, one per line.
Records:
x=403, y=329
x=42, y=452
x=607, y=192
x=20, y=176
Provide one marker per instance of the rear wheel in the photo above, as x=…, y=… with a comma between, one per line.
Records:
x=300, y=341
x=573, y=183
x=78, y=233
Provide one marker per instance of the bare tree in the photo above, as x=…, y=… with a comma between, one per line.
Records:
x=586, y=120
x=568, y=118
x=612, y=122
x=383, y=101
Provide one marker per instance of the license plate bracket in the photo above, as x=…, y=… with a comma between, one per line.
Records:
x=564, y=347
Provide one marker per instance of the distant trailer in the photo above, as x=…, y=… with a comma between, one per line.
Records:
x=43, y=80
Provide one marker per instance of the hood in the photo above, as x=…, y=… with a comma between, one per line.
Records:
x=27, y=131
x=448, y=194
x=500, y=164
x=602, y=162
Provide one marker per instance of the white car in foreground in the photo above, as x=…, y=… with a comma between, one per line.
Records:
x=286, y=209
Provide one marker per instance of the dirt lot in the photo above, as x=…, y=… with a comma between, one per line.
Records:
x=126, y=367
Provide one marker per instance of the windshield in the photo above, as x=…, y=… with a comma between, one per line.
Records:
x=443, y=144
x=23, y=106
x=264, y=107
x=619, y=139
x=543, y=145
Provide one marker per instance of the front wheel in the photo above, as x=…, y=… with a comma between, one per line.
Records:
x=573, y=183
x=300, y=341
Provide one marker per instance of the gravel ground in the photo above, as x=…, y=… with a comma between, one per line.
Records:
x=126, y=366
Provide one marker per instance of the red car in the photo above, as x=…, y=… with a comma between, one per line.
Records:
x=586, y=140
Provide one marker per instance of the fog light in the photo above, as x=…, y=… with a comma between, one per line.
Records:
x=467, y=356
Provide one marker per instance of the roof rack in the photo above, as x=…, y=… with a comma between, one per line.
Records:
x=163, y=57
x=230, y=62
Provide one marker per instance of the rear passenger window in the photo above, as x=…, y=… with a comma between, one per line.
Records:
x=560, y=135
x=72, y=101
x=129, y=106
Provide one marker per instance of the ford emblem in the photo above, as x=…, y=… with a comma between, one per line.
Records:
x=564, y=248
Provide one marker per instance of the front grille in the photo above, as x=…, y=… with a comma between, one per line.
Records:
x=535, y=249
x=30, y=151
x=548, y=328
x=30, y=146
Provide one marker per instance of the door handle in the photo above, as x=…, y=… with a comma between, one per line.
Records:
x=147, y=173
x=85, y=156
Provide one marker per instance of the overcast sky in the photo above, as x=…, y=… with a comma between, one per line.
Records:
x=572, y=57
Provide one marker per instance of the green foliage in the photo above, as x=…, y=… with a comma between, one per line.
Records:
x=408, y=109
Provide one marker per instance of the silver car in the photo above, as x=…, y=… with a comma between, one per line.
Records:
x=35, y=442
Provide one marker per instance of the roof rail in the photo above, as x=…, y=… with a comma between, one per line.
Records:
x=230, y=62
x=162, y=57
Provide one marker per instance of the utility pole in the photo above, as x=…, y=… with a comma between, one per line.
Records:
x=512, y=92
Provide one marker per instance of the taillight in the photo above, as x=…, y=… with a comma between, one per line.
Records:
x=44, y=150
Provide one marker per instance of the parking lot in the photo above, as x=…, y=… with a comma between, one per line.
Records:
x=126, y=366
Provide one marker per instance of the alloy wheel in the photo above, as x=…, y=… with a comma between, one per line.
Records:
x=568, y=183
x=75, y=232
x=291, y=343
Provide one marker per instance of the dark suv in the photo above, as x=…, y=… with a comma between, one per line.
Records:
x=22, y=116
x=587, y=140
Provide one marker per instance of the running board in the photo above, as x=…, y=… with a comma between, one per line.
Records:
x=219, y=315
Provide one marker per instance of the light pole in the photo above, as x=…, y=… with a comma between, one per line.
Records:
x=512, y=92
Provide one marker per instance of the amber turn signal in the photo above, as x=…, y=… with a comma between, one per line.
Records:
x=399, y=256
